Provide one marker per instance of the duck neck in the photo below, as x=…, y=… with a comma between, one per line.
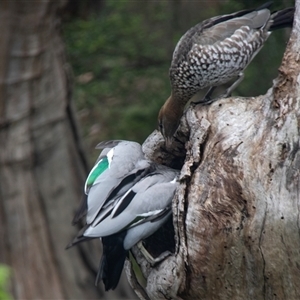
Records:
x=175, y=105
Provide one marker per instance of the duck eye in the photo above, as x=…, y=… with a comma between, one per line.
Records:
x=160, y=126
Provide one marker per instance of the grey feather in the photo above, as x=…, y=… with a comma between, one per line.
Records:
x=152, y=195
x=202, y=57
x=128, y=160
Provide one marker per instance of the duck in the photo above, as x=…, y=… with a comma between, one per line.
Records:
x=128, y=204
x=215, y=52
x=119, y=166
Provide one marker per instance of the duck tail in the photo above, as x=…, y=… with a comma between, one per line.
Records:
x=112, y=261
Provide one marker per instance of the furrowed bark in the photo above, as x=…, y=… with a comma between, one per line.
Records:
x=42, y=166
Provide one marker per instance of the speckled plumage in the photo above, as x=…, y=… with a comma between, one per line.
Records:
x=214, y=52
x=209, y=65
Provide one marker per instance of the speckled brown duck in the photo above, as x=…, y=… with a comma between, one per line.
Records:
x=214, y=52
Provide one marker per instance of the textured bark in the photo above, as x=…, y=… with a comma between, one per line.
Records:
x=237, y=210
x=42, y=167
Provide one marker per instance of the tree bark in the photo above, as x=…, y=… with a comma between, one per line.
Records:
x=42, y=166
x=236, y=213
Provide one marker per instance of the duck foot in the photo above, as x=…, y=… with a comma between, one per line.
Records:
x=207, y=98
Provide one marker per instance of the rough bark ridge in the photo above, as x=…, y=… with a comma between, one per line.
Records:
x=36, y=137
x=42, y=168
x=237, y=211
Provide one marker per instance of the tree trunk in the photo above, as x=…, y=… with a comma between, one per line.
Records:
x=42, y=166
x=236, y=213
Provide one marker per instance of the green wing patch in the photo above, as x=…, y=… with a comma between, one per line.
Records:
x=98, y=169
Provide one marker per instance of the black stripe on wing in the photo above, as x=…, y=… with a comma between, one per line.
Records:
x=124, y=203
